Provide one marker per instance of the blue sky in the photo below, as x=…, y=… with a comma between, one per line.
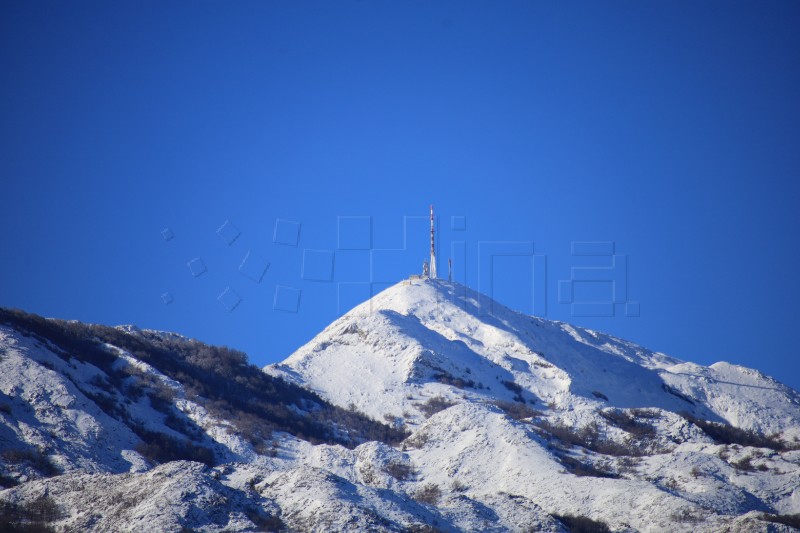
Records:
x=669, y=129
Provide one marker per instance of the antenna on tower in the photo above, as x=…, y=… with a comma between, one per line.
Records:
x=432, y=273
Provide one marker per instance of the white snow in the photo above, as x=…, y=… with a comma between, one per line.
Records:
x=415, y=342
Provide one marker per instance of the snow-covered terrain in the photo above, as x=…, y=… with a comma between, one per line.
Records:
x=502, y=422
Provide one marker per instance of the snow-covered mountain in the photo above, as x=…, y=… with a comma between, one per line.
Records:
x=478, y=418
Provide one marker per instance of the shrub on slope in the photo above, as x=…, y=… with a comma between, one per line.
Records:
x=219, y=378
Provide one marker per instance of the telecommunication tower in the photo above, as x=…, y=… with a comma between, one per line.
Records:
x=432, y=272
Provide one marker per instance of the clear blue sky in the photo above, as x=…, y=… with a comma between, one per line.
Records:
x=669, y=128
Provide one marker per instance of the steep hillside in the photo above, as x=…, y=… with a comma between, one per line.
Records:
x=419, y=335
x=572, y=420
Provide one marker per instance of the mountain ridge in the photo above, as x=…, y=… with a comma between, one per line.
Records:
x=427, y=408
x=514, y=344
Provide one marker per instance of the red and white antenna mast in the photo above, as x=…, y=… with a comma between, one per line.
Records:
x=432, y=274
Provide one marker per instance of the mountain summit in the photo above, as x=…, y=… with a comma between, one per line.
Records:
x=425, y=338
x=429, y=407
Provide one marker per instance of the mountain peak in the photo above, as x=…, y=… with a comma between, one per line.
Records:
x=435, y=297
x=422, y=338
x=416, y=295
x=429, y=405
